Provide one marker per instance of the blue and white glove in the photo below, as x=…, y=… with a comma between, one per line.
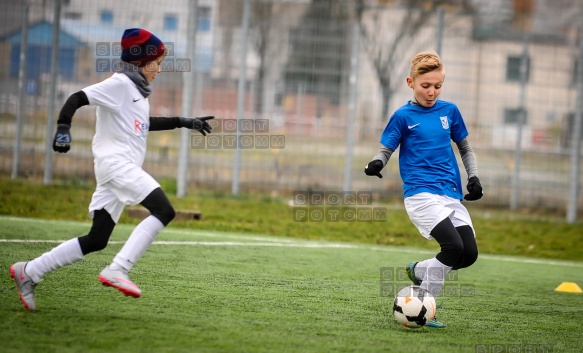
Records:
x=62, y=140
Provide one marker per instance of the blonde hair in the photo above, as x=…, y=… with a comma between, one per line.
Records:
x=424, y=62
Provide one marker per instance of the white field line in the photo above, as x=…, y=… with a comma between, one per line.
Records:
x=266, y=241
x=194, y=232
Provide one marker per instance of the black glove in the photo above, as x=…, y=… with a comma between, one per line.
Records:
x=374, y=168
x=62, y=140
x=198, y=124
x=475, y=189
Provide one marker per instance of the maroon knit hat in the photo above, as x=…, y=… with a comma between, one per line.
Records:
x=139, y=47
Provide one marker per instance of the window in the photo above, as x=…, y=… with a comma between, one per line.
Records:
x=574, y=74
x=72, y=15
x=512, y=116
x=203, y=20
x=523, y=7
x=170, y=22
x=106, y=17
x=513, y=68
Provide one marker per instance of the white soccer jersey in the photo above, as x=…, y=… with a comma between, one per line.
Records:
x=122, y=125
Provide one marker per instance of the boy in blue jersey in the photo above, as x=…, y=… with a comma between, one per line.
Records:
x=424, y=128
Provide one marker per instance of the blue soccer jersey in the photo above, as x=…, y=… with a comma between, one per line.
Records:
x=427, y=162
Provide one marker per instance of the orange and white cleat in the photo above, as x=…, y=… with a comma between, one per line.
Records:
x=119, y=280
x=24, y=284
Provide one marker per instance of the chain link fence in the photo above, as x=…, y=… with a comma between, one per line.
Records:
x=302, y=90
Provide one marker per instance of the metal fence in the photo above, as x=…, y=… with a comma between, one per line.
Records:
x=301, y=90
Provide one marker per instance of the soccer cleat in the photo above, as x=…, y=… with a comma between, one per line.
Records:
x=435, y=323
x=24, y=284
x=410, y=272
x=119, y=280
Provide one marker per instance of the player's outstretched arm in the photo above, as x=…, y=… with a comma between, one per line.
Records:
x=475, y=191
x=474, y=187
x=199, y=124
x=374, y=167
x=62, y=139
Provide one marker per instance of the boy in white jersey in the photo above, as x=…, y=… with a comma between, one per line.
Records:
x=424, y=128
x=119, y=148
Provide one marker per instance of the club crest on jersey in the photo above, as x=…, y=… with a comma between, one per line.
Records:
x=140, y=129
x=444, y=122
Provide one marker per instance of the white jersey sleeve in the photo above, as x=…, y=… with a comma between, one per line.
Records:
x=109, y=93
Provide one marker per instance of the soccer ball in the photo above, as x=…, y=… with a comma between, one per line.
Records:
x=413, y=307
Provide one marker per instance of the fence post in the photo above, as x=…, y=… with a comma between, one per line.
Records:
x=52, y=93
x=576, y=135
x=353, y=87
x=439, y=32
x=187, y=88
x=521, y=121
x=21, y=92
x=241, y=96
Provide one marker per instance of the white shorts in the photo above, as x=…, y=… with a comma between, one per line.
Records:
x=128, y=188
x=426, y=210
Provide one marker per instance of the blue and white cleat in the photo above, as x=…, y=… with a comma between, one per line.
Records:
x=410, y=272
x=435, y=323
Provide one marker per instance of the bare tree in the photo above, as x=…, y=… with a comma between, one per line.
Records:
x=264, y=33
x=262, y=13
x=229, y=19
x=269, y=22
x=320, y=47
x=383, y=55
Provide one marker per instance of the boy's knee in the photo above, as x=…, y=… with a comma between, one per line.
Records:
x=98, y=236
x=451, y=253
x=165, y=215
x=467, y=260
x=171, y=214
x=470, y=258
x=159, y=206
x=91, y=243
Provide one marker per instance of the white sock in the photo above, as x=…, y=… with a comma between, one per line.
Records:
x=137, y=244
x=64, y=254
x=420, y=269
x=432, y=272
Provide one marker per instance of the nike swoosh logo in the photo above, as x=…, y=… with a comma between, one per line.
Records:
x=122, y=280
x=135, y=100
x=412, y=126
x=22, y=273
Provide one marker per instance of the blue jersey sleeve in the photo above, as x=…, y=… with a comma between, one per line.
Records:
x=458, y=127
x=391, y=137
